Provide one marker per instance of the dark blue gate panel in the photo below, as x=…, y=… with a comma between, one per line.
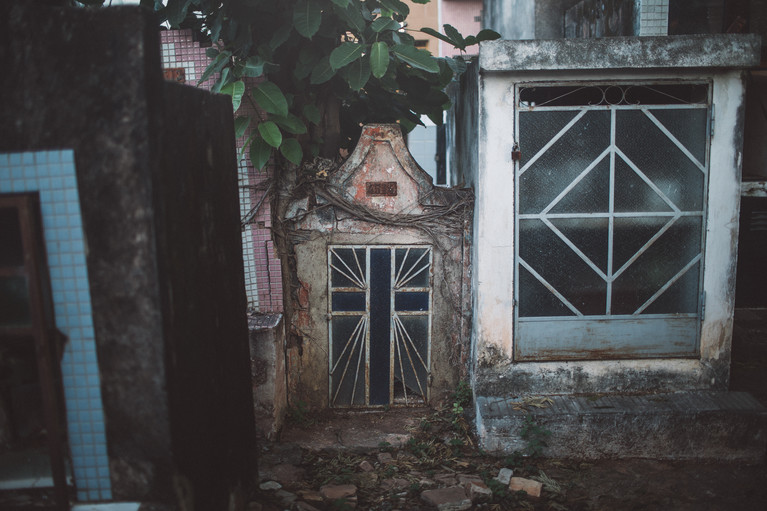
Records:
x=380, y=324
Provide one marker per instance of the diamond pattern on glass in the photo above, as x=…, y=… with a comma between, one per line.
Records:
x=611, y=211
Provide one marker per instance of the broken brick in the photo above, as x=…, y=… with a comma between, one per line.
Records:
x=532, y=488
x=447, y=499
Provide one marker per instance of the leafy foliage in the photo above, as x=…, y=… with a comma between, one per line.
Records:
x=329, y=66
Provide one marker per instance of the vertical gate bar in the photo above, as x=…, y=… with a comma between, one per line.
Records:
x=367, y=330
x=392, y=339
x=428, y=331
x=515, y=166
x=611, y=217
x=330, y=330
x=396, y=325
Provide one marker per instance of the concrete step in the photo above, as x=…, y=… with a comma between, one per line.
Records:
x=680, y=425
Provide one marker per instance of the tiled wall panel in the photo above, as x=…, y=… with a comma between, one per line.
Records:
x=263, y=274
x=52, y=174
x=653, y=20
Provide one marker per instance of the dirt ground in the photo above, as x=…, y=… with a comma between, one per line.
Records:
x=436, y=447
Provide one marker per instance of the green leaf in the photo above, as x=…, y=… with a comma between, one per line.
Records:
x=240, y=125
x=322, y=72
x=488, y=35
x=455, y=35
x=222, y=80
x=270, y=133
x=419, y=59
x=396, y=6
x=260, y=152
x=341, y=3
x=457, y=65
x=357, y=73
x=420, y=1
x=279, y=37
x=383, y=23
x=236, y=90
x=291, y=150
x=254, y=66
x=291, y=124
x=211, y=53
x=434, y=33
x=214, y=67
x=379, y=59
x=312, y=113
x=345, y=54
x=271, y=99
x=307, y=17
x=353, y=17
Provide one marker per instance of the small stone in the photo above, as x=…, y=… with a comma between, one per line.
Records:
x=310, y=495
x=396, y=484
x=286, y=498
x=366, y=466
x=445, y=479
x=465, y=479
x=303, y=506
x=532, y=488
x=447, y=499
x=478, y=490
x=333, y=492
x=270, y=485
x=385, y=458
x=504, y=475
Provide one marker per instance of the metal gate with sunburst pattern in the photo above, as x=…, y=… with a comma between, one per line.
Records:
x=379, y=324
x=610, y=219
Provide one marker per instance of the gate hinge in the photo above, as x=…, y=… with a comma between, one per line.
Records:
x=711, y=119
x=702, y=306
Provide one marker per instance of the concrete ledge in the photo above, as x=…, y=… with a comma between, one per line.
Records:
x=675, y=426
x=689, y=51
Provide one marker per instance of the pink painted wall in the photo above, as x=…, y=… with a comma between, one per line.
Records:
x=461, y=14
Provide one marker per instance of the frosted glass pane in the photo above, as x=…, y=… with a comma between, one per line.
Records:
x=346, y=356
x=633, y=194
x=659, y=264
x=660, y=160
x=345, y=270
x=535, y=300
x=591, y=194
x=562, y=268
x=537, y=128
x=688, y=126
x=563, y=161
x=589, y=235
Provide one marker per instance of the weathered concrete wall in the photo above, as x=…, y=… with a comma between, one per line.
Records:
x=526, y=19
x=267, y=363
x=323, y=218
x=162, y=234
x=464, y=144
x=505, y=63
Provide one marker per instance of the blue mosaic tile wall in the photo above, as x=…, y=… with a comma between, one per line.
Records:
x=52, y=174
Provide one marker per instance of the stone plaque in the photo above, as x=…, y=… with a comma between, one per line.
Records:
x=381, y=188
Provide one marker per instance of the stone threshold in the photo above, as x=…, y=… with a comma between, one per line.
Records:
x=680, y=425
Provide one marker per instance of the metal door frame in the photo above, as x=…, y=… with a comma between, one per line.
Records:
x=628, y=320
x=397, y=332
